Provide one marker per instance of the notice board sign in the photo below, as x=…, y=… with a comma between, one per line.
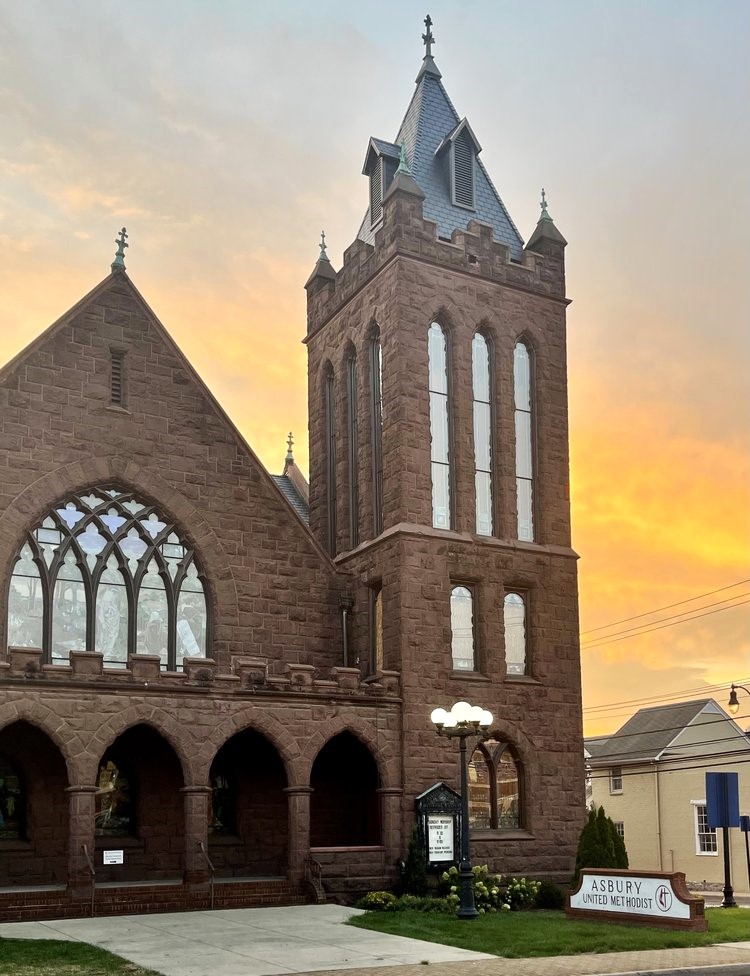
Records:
x=113, y=857
x=641, y=897
x=440, y=834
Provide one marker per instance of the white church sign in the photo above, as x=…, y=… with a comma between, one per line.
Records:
x=642, y=897
x=440, y=832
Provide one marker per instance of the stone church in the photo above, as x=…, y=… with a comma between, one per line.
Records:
x=216, y=683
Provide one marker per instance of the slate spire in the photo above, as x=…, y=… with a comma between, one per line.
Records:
x=545, y=229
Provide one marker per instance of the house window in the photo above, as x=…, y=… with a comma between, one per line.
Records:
x=494, y=787
x=376, y=426
x=514, y=617
x=106, y=571
x=352, y=444
x=462, y=629
x=376, y=628
x=117, y=377
x=615, y=779
x=482, y=433
x=524, y=420
x=12, y=803
x=330, y=455
x=439, y=427
x=620, y=828
x=463, y=171
x=114, y=809
x=705, y=836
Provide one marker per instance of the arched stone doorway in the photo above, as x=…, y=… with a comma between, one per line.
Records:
x=247, y=810
x=33, y=808
x=344, y=806
x=138, y=808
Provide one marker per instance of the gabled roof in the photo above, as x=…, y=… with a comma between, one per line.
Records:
x=429, y=120
x=651, y=731
x=380, y=148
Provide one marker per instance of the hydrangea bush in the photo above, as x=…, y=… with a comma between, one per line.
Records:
x=492, y=892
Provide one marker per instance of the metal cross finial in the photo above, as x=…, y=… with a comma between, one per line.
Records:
x=544, y=215
x=289, y=443
x=322, y=246
x=403, y=162
x=427, y=38
x=119, y=261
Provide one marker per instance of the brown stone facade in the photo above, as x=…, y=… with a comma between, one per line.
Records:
x=285, y=752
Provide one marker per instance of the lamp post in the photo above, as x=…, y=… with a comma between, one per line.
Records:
x=462, y=722
x=733, y=705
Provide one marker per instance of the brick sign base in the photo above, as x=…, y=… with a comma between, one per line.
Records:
x=637, y=897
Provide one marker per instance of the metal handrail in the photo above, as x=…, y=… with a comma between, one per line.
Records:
x=92, y=872
x=211, y=868
x=314, y=877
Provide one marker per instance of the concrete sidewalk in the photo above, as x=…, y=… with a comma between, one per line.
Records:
x=314, y=939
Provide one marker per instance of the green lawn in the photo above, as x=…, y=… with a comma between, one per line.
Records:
x=31, y=957
x=518, y=935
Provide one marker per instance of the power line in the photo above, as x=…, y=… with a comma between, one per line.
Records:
x=669, y=606
x=675, y=695
x=654, y=767
x=685, y=613
x=697, y=616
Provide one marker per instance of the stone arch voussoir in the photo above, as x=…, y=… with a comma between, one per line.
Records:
x=380, y=751
x=56, y=728
x=251, y=718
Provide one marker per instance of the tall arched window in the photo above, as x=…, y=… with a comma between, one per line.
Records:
x=480, y=362
x=352, y=445
x=494, y=787
x=514, y=617
x=106, y=571
x=376, y=429
x=329, y=393
x=437, y=349
x=523, y=395
x=462, y=629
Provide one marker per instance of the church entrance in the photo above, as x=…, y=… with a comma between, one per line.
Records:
x=344, y=807
x=139, y=809
x=33, y=808
x=248, y=818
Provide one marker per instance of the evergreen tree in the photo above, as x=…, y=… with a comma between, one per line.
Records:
x=600, y=846
x=414, y=878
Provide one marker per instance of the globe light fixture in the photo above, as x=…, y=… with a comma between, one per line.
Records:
x=462, y=722
x=733, y=706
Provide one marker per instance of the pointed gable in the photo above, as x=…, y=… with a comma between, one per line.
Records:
x=430, y=126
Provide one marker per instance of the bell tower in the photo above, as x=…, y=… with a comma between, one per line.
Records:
x=439, y=473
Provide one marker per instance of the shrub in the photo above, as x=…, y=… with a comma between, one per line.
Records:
x=414, y=877
x=415, y=903
x=600, y=846
x=492, y=892
x=378, y=901
x=550, y=895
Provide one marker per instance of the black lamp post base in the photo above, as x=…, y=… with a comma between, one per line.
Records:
x=466, y=907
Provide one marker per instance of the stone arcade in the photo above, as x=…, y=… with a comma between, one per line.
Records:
x=193, y=675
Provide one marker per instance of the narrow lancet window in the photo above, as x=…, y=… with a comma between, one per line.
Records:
x=523, y=393
x=514, y=615
x=439, y=427
x=330, y=448
x=482, y=434
x=351, y=397
x=462, y=629
x=376, y=423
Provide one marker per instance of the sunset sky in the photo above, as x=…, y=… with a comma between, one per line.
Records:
x=226, y=134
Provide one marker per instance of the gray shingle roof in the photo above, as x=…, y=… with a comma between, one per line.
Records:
x=647, y=733
x=429, y=118
x=294, y=498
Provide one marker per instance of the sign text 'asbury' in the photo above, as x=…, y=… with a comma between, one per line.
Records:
x=632, y=895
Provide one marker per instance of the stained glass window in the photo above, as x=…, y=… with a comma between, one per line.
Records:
x=108, y=572
x=462, y=629
x=523, y=394
x=480, y=360
x=514, y=616
x=114, y=809
x=494, y=787
x=439, y=427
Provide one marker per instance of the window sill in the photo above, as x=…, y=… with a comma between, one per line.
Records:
x=522, y=679
x=115, y=409
x=615, y=792
x=706, y=853
x=502, y=834
x=470, y=676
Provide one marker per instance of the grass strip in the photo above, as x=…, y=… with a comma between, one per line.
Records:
x=48, y=957
x=523, y=935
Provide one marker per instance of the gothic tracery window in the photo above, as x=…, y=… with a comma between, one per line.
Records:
x=494, y=787
x=106, y=571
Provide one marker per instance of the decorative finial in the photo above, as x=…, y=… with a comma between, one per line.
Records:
x=119, y=262
x=544, y=215
x=289, y=443
x=403, y=162
x=322, y=246
x=427, y=38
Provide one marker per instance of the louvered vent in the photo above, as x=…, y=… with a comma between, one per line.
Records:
x=463, y=171
x=117, y=383
x=376, y=192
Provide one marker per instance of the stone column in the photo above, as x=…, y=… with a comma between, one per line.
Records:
x=298, y=841
x=80, y=835
x=390, y=824
x=196, y=869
